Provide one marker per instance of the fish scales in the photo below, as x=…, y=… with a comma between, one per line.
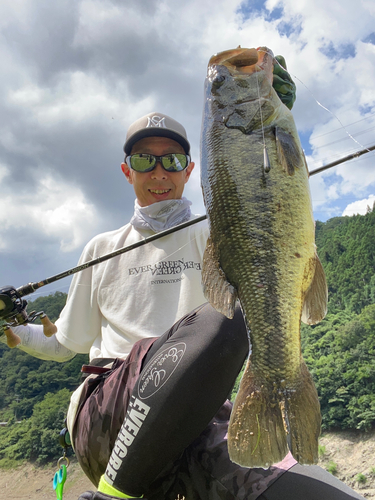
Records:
x=261, y=250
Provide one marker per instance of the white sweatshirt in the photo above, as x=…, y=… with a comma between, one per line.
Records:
x=139, y=294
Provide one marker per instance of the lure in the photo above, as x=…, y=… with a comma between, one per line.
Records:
x=60, y=478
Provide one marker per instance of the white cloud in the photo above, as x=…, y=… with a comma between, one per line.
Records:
x=364, y=73
x=319, y=195
x=75, y=76
x=55, y=211
x=360, y=206
x=337, y=21
x=78, y=98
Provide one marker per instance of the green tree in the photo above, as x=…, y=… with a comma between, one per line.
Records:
x=341, y=357
x=36, y=438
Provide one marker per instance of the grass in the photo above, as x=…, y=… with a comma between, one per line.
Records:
x=332, y=467
x=321, y=450
x=10, y=463
x=361, y=478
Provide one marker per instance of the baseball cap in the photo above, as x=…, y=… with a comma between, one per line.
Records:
x=159, y=125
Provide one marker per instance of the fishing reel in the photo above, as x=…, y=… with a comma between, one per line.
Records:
x=13, y=312
x=13, y=308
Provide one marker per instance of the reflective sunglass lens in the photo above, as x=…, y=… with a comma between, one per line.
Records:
x=174, y=162
x=142, y=163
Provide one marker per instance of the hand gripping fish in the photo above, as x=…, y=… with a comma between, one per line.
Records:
x=261, y=250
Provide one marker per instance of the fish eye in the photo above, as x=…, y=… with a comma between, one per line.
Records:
x=218, y=81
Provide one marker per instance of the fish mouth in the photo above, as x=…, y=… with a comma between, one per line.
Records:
x=245, y=62
x=236, y=57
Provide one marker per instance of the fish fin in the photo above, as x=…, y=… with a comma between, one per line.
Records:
x=301, y=413
x=216, y=288
x=256, y=433
x=265, y=423
x=316, y=298
x=287, y=149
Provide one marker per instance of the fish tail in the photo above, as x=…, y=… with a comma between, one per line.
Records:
x=301, y=413
x=256, y=434
x=267, y=422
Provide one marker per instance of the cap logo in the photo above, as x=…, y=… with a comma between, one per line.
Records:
x=156, y=121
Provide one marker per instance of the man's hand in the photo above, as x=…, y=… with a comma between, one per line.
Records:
x=283, y=83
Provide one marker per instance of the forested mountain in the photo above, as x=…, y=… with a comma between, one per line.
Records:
x=346, y=250
x=340, y=352
x=34, y=396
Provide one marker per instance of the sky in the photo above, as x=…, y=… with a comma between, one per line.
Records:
x=76, y=74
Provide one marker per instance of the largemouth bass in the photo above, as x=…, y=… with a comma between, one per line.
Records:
x=261, y=250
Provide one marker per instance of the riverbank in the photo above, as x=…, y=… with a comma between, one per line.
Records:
x=349, y=455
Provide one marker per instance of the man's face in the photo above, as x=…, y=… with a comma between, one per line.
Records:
x=157, y=185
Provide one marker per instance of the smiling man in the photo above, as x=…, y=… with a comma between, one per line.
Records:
x=129, y=435
x=154, y=180
x=151, y=419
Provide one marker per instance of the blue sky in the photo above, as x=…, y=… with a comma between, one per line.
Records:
x=75, y=75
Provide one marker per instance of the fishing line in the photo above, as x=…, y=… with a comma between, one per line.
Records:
x=342, y=160
x=361, y=132
x=335, y=157
x=329, y=111
x=266, y=161
x=337, y=129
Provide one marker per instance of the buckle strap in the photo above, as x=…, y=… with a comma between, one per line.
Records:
x=97, y=370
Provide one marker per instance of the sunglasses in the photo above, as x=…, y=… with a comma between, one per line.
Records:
x=172, y=162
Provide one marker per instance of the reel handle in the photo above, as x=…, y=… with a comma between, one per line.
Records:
x=49, y=328
x=12, y=339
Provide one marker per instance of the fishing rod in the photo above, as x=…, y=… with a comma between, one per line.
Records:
x=342, y=160
x=13, y=307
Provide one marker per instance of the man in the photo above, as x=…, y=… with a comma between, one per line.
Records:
x=152, y=417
